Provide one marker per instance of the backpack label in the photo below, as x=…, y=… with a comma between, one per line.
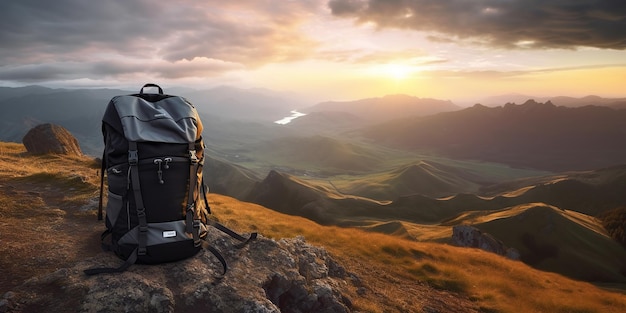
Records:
x=169, y=234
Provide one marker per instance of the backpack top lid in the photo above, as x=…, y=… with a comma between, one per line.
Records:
x=167, y=119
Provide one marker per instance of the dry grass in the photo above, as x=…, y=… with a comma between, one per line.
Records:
x=493, y=283
x=43, y=220
x=38, y=193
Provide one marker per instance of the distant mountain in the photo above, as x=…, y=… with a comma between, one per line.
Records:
x=80, y=111
x=615, y=103
x=326, y=122
x=15, y=92
x=385, y=108
x=535, y=135
x=516, y=98
x=571, y=102
x=242, y=104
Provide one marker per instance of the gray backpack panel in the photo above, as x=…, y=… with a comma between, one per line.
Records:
x=170, y=120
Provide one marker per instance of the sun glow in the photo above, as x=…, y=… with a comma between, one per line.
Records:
x=394, y=70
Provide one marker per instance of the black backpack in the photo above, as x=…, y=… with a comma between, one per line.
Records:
x=157, y=209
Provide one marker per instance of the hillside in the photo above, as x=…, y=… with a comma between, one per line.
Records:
x=49, y=202
x=426, y=218
x=530, y=135
x=556, y=240
x=390, y=107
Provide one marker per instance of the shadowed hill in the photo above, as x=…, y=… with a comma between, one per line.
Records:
x=394, y=228
x=535, y=135
x=290, y=195
x=227, y=178
x=424, y=177
x=557, y=240
x=591, y=192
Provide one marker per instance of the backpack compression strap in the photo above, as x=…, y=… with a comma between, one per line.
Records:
x=133, y=159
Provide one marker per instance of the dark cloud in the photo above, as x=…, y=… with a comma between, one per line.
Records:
x=500, y=23
x=48, y=35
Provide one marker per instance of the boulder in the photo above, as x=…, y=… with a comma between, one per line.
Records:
x=470, y=236
x=51, y=138
x=287, y=275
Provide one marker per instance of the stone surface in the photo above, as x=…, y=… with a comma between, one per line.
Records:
x=288, y=275
x=470, y=236
x=51, y=138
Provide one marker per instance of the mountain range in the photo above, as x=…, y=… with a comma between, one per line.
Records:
x=534, y=135
x=537, y=176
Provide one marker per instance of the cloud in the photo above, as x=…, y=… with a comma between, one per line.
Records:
x=44, y=39
x=111, y=69
x=496, y=75
x=511, y=24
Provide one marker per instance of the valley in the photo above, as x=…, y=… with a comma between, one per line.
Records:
x=536, y=176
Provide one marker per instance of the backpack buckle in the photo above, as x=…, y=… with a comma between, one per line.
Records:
x=133, y=157
x=192, y=156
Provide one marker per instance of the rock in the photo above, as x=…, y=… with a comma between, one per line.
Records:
x=50, y=138
x=470, y=236
x=266, y=276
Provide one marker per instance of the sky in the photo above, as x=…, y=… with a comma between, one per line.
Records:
x=459, y=50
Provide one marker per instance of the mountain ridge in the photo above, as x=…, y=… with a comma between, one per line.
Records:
x=536, y=135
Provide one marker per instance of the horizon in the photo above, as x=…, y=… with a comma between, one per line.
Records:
x=337, y=50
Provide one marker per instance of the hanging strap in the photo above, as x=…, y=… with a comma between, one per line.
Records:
x=193, y=224
x=133, y=159
x=102, y=169
x=130, y=261
x=217, y=254
x=230, y=232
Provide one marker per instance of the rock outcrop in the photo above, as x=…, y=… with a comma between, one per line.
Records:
x=470, y=236
x=288, y=275
x=51, y=138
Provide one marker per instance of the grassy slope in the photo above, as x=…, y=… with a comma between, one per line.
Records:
x=496, y=284
x=390, y=268
x=556, y=240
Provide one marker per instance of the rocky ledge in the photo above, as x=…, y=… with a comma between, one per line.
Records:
x=288, y=275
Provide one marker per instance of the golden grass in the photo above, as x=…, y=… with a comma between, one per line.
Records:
x=386, y=264
x=495, y=283
x=76, y=175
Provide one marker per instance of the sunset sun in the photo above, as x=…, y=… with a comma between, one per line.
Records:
x=395, y=71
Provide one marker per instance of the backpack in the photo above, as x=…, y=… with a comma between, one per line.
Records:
x=157, y=209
